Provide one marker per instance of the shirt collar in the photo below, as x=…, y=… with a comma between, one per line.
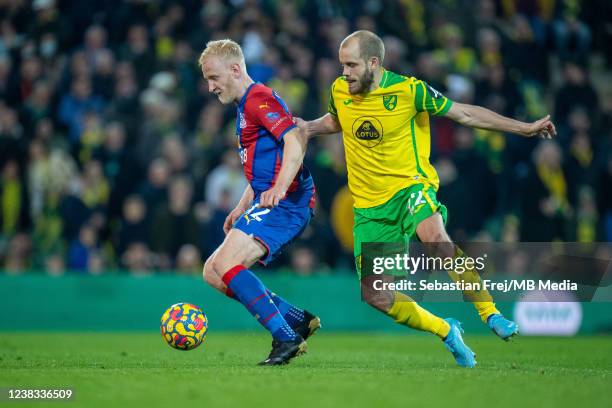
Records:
x=243, y=99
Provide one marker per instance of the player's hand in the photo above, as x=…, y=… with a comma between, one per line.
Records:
x=543, y=128
x=271, y=197
x=231, y=219
x=302, y=124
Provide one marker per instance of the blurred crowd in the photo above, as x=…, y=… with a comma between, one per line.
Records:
x=113, y=155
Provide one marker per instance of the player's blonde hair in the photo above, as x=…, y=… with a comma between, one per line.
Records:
x=226, y=49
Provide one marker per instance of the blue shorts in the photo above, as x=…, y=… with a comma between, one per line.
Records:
x=275, y=227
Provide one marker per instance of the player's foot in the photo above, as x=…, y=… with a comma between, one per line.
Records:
x=283, y=351
x=308, y=326
x=454, y=343
x=503, y=327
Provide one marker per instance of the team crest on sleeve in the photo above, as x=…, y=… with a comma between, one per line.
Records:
x=272, y=116
x=390, y=102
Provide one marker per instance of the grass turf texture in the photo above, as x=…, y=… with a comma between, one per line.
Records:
x=340, y=370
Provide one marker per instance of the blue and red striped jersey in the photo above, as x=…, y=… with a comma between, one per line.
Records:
x=262, y=121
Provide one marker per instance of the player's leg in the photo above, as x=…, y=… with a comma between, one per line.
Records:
x=230, y=263
x=211, y=277
x=381, y=224
x=401, y=307
x=431, y=231
x=397, y=305
x=301, y=321
x=276, y=230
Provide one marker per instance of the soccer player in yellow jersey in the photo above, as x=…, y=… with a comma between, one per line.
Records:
x=384, y=120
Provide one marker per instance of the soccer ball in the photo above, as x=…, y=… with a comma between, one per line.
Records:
x=184, y=326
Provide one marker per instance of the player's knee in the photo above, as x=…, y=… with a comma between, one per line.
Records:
x=443, y=249
x=442, y=237
x=379, y=300
x=208, y=273
x=431, y=230
x=220, y=266
x=435, y=236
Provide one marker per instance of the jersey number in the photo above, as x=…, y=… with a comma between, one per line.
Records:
x=243, y=156
x=250, y=215
x=414, y=205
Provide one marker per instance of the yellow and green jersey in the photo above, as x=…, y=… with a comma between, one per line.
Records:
x=386, y=135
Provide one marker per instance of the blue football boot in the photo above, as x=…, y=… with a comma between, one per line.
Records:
x=503, y=327
x=464, y=356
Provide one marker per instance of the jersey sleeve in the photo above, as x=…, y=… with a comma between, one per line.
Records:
x=331, y=105
x=427, y=99
x=271, y=113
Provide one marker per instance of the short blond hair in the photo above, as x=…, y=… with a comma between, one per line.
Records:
x=226, y=49
x=370, y=45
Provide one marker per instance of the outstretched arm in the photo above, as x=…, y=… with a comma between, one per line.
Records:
x=325, y=125
x=482, y=118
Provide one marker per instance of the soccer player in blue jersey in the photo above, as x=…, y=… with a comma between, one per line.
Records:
x=275, y=207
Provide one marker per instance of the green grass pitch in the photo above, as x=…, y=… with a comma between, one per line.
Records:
x=340, y=370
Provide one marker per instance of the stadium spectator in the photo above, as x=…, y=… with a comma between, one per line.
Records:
x=188, y=260
x=174, y=224
x=14, y=199
x=227, y=177
x=576, y=91
x=75, y=106
x=544, y=196
x=81, y=249
x=134, y=226
x=153, y=190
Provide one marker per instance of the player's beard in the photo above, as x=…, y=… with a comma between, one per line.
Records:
x=227, y=95
x=365, y=82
